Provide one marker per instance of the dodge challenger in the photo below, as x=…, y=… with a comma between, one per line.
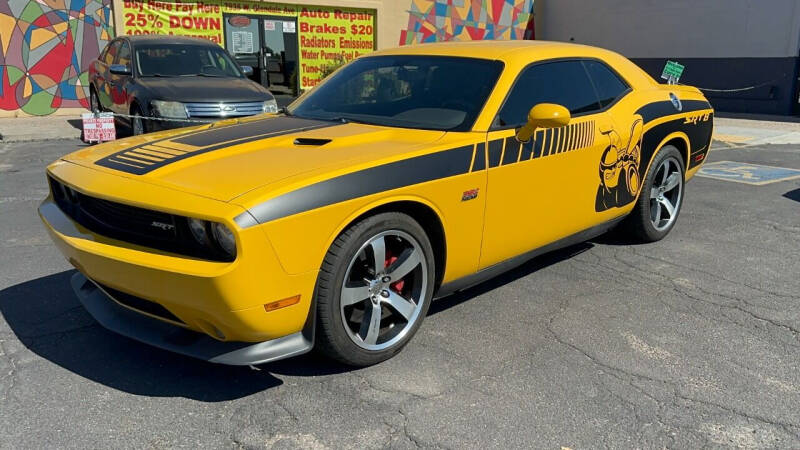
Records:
x=407, y=175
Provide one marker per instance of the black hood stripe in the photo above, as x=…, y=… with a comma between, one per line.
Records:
x=216, y=136
x=365, y=182
x=131, y=161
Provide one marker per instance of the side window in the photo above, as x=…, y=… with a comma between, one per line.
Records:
x=111, y=53
x=608, y=84
x=564, y=83
x=124, y=53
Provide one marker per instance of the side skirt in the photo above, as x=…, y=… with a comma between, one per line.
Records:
x=492, y=271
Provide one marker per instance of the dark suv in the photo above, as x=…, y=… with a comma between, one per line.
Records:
x=181, y=79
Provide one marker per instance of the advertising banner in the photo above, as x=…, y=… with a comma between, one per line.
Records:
x=324, y=34
x=327, y=34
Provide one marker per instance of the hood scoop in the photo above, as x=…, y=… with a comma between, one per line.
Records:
x=313, y=142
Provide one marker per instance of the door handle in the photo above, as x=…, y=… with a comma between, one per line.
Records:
x=606, y=128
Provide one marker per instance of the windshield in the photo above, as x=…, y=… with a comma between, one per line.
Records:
x=408, y=91
x=180, y=60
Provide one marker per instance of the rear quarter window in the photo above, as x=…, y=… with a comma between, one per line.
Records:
x=608, y=84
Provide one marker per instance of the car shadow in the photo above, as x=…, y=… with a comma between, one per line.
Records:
x=514, y=274
x=793, y=195
x=48, y=319
x=76, y=123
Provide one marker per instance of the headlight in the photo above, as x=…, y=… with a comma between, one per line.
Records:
x=213, y=236
x=198, y=229
x=270, y=106
x=224, y=237
x=174, y=110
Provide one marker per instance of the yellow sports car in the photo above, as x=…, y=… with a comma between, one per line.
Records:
x=408, y=174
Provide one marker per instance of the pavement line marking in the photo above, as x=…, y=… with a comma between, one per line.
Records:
x=732, y=138
x=746, y=173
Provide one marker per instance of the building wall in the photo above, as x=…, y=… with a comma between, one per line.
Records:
x=46, y=45
x=397, y=22
x=435, y=21
x=724, y=45
x=45, y=49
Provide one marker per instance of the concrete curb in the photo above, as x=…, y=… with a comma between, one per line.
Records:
x=29, y=129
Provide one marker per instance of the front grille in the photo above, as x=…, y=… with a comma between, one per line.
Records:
x=144, y=227
x=140, y=304
x=133, y=220
x=221, y=110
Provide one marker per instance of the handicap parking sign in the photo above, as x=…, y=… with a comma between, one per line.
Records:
x=747, y=173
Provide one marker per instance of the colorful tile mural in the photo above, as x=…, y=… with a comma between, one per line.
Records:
x=446, y=20
x=45, y=50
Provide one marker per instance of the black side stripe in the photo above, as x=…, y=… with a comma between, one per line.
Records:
x=527, y=148
x=699, y=133
x=657, y=110
x=495, y=152
x=538, y=144
x=511, y=154
x=370, y=181
x=545, y=142
x=480, y=157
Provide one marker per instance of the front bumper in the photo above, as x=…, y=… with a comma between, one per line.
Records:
x=142, y=328
x=222, y=301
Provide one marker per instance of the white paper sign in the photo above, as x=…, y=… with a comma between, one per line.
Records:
x=242, y=42
x=289, y=27
x=98, y=129
x=269, y=25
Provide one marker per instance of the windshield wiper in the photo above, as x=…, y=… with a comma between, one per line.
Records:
x=203, y=75
x=158, y=75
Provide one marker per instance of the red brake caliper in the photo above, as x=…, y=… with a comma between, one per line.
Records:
x=397, y=286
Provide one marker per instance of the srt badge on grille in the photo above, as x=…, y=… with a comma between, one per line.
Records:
x=163, y=226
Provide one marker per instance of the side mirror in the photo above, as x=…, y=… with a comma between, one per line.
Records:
x=543, y=115
x=247, y=71
x=120, y=69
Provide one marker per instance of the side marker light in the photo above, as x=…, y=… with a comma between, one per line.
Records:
x=269, y=307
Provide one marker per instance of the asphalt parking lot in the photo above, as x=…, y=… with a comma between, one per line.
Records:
x=687, y=343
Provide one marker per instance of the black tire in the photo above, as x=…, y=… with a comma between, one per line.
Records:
x=94, y=101
x=334, y=339
x=639, y=225
x=136, y=130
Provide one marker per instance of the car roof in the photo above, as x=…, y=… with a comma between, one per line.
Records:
x=517, y=54
x=499, y=50
x=161, y=39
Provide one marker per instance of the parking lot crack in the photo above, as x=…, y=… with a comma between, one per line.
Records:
x=785, y=426
x=697, y=269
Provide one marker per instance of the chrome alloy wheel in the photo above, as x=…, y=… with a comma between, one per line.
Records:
x=665, y=195
x=383, y=290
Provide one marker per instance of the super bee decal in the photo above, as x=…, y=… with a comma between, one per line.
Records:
x=622, y=169
x=619, y=169
x=145, y=158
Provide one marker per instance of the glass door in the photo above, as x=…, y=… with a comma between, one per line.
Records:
x=280, y=52
x=242, y=41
